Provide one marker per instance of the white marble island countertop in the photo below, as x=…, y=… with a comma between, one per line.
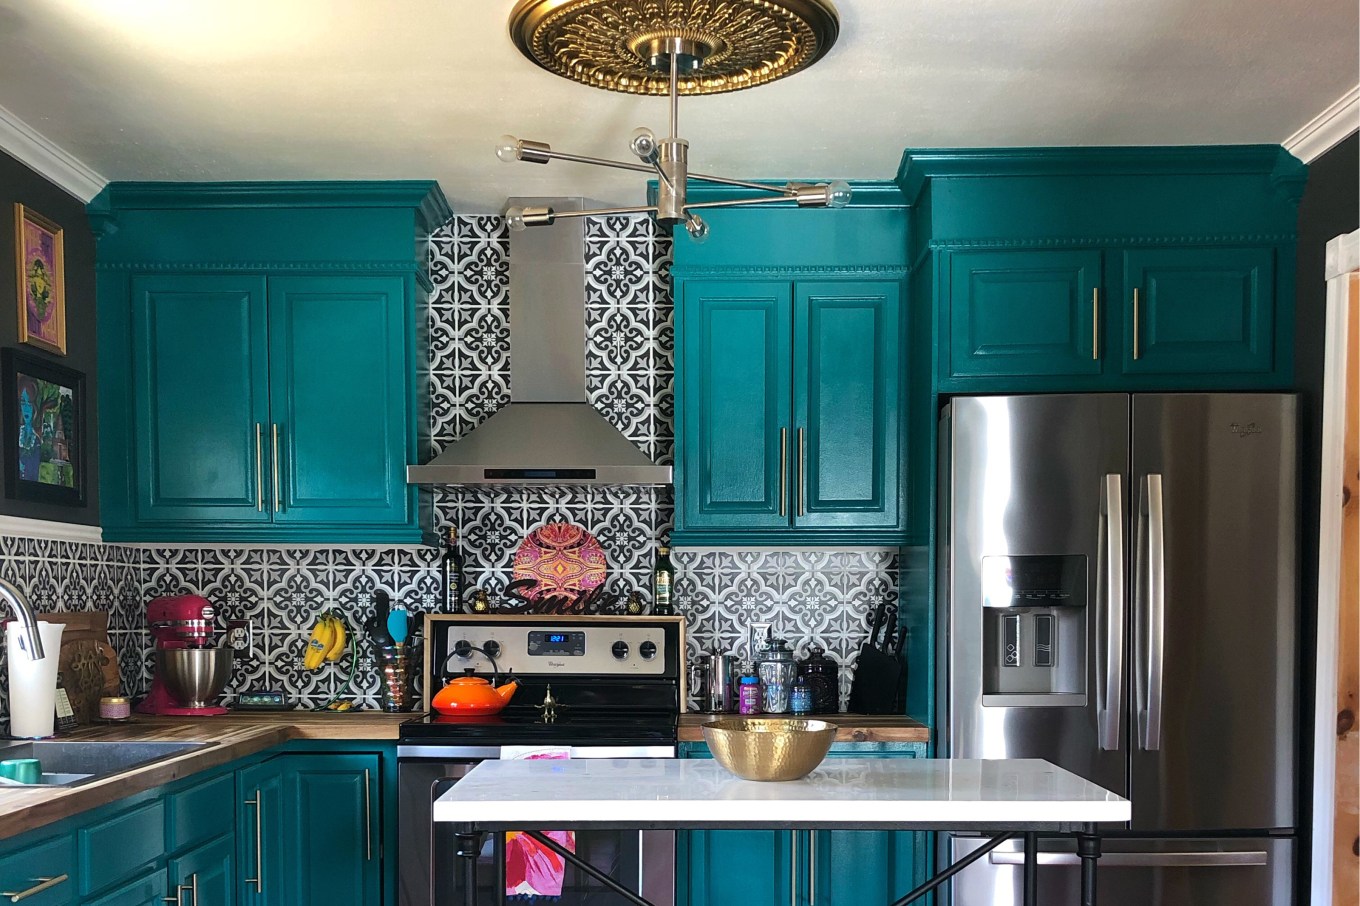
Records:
x=869, y=793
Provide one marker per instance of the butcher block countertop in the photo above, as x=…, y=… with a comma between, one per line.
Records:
x=233, y=736
x=850, y=727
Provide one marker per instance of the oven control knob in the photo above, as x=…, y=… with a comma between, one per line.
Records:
x=647, y=650
x=462, y=648
x=620, y=650
x=491, y=648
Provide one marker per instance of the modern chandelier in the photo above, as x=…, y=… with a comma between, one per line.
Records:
x=670, y=47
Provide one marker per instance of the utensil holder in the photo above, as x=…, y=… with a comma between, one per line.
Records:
x=395, y=690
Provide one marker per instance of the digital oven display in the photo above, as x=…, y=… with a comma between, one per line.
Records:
x=557, y=644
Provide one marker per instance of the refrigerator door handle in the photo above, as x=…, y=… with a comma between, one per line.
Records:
x=1110, y=602
x=1154, y=618
x=1145, y=860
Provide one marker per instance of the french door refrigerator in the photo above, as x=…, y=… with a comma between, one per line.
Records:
x=1118, y=578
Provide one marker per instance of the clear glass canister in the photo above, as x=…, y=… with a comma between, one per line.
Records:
x=777, y=671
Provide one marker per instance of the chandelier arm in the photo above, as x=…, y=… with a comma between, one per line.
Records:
x=738, y=202
x=782, y=190
x=607, y=212
x=597, y=161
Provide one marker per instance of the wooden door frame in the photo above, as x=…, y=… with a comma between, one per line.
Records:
x=1343, y=259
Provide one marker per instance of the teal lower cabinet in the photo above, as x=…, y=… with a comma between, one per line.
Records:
x=147, y=890
x=802, y=868
x=309, y=831
x=42, y=872
x=205, y=876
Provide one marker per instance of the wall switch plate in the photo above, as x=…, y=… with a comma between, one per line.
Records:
x=239, y=636
x=759, y=634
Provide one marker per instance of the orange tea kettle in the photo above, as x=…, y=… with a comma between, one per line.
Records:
x=472, y=696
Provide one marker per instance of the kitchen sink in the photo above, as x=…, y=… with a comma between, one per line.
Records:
x=72, y=763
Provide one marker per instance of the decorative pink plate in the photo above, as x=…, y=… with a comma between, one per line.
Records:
x=563, y=558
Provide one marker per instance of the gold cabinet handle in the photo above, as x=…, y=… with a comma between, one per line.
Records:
x=802, y=480
x=1095, y=323
x=277, y=505
x=783, y=471
x=258, y=880
x=43, y=884
x=1135, y=323
x=259, y=468
x=368, y=822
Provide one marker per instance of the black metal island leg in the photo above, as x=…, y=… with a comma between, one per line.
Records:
x=1031, y=870
x=469, y=846
x=1088, y=849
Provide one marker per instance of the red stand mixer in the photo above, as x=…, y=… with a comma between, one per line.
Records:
x=189, y=672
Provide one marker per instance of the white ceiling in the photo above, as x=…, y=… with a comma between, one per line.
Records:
x=412, y=89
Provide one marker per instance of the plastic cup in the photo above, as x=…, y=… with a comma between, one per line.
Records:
x=23, y=770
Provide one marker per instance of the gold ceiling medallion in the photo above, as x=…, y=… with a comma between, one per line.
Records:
x=670, y=47
x=612, y=44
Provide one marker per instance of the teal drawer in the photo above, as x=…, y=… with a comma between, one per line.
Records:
x=24, y=870
x=148, y=890
x=121, y=846
x=200, y=813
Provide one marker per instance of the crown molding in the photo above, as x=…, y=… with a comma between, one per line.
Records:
x=30, y=147
x=56, y=531
x=1327, y=129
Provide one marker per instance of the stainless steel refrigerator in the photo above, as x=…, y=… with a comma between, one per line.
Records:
x=1119, y=591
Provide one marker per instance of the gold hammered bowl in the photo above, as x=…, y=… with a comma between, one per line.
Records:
x=769, y=748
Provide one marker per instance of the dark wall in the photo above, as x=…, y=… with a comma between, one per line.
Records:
x=19, y=184
x=1330, y=207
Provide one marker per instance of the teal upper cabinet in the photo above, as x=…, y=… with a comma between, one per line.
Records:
x=790, y=375
x=263, y=339
x=1107, y=268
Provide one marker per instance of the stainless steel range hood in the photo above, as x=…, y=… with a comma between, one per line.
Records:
x=549, y=433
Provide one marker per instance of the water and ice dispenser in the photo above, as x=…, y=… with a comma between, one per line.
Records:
x=1034, y=631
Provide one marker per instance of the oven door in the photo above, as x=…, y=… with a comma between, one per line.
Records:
x=429, y=874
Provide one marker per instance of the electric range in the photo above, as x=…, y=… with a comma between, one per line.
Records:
x=589, y=687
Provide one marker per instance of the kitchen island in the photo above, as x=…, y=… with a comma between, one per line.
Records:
x=1002, y=798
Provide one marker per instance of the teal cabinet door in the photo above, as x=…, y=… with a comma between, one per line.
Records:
x=200, y=402
x=738, y=868
x=864, y=866
x=1199, y=310
x=205, y=876
x=147, y=890
x=1017, y=313
x=331, y=841
x=733, y=405
x=847, y=378
x=338, y=401
x=259, y=835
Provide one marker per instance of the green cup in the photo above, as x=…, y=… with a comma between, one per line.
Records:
x=24, y=770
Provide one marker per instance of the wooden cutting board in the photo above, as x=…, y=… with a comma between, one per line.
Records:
x=88, y=664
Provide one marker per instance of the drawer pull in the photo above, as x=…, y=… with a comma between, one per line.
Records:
x=43, y=884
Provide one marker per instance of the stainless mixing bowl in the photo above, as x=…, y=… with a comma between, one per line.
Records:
x=194, y=676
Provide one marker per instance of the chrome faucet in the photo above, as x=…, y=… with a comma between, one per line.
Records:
x=23, y=612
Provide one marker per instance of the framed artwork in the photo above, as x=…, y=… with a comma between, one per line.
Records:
x=44, y=429
x=42, y=281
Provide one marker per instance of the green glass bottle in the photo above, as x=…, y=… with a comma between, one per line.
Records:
x=663, y=584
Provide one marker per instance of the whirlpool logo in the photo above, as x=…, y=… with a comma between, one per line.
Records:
x=1242, y=430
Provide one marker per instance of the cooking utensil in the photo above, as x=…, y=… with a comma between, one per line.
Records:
x=765, y=748
x=398, y=624
x=377, y=629
x=878, y=673
x=195, y=677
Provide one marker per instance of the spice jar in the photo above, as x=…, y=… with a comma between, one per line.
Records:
x=114, y=707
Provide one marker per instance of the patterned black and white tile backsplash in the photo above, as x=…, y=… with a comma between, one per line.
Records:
x=821, y=597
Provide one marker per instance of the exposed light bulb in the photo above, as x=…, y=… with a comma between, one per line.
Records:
x=697, y=228
x=507, y=148
x=837, y=193
x=643, y=144
x=514, y=219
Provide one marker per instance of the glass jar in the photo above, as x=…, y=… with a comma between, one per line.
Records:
x=114, y=707
x=777, y=671
x=822, y=675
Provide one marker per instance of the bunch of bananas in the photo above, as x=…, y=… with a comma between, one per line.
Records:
x=330, y=639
